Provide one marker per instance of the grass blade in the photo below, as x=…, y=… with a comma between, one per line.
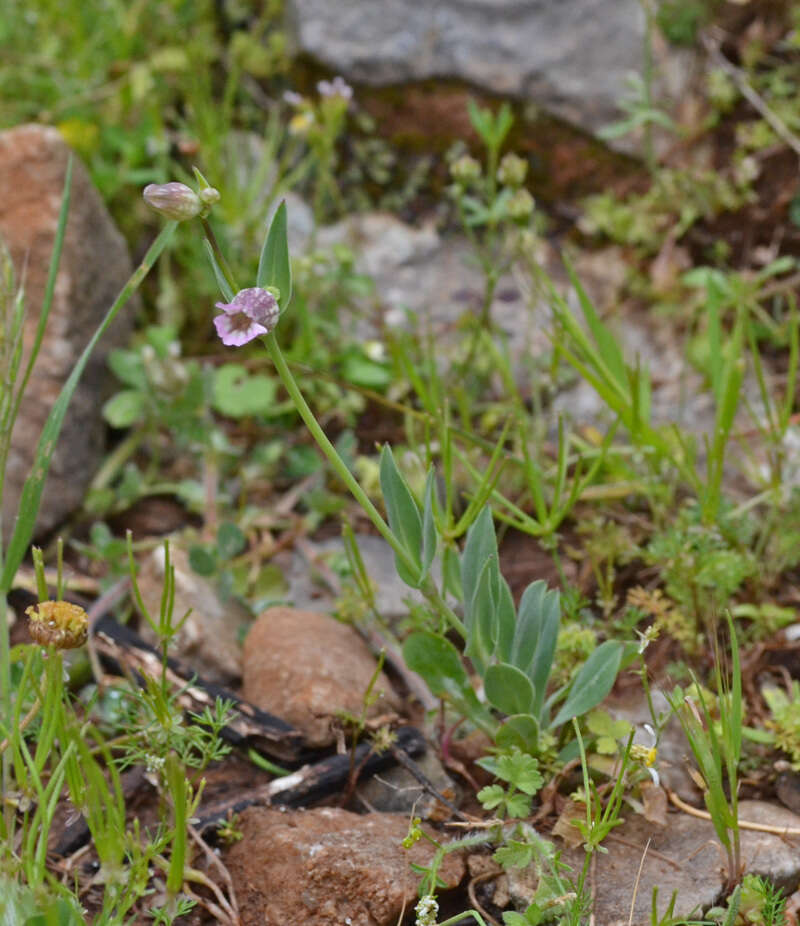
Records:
x=34, y=485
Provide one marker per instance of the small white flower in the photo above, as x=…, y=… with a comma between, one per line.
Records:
x=427, y=911
x=336, y=87
x=375, y=351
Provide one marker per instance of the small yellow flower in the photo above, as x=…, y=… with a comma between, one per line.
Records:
x=647, y=755
x=301, y=123
x=58, y=624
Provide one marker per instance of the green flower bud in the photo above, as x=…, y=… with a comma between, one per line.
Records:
x=209, y=195
x=520, y=206
x=465, y=170
x=512, y=170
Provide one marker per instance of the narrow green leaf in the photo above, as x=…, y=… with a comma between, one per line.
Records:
x=506, y=619
x=542, y=665
x=429, y=524
x=508, y=689
x=592, y=683
x=274, y=268
x=536, y=636
x=481, y=544
x=451, y=575
x=482, y=629
x=480, y=120
x=222, y=282
x=526, y=634
x=32, y=490
x=735, y=723
x=608, y=352
x=403, y=513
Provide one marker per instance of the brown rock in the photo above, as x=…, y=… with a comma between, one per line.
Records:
x=208, y=640
x=327, y=866
x=94, y=266
x=306, y=667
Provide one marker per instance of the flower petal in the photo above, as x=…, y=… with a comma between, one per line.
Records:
x=257, y=304
x=233, y=335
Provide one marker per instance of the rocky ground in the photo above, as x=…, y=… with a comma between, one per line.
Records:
x=335, y=855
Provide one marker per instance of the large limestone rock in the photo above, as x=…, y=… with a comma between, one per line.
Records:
x=94, y=266
x=571, y=57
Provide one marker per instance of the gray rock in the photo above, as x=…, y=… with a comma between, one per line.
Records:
x=309, y=590
x=771, y=855
x=684, y=857
x=94, y=266
x=397, y=790
x=571, y=57
x=673, y=750
x=430, y=282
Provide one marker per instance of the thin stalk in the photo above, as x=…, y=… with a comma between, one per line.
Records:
x=223, y=263
x=47, y=302
x=341, y=470
x=647, y=80
x=5, y=709
x=32, y=490
x=114, y=462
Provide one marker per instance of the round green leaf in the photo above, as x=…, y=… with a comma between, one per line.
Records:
x=230, y=540
x=125, y=408
x=508, y=689
x=520, y=730
x=128, y=367
x=202, y=561
x=236, y=393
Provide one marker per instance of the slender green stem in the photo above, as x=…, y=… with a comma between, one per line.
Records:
x=647, y=80
x=428, y=588
x=329, y=450
x=115, y=460
x=34, y=484
x=5, y=710
x=460, y=917
x=223, y=263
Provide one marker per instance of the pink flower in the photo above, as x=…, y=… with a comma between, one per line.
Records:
x=253, y=312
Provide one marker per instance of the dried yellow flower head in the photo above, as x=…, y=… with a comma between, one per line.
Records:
x=58, y=623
